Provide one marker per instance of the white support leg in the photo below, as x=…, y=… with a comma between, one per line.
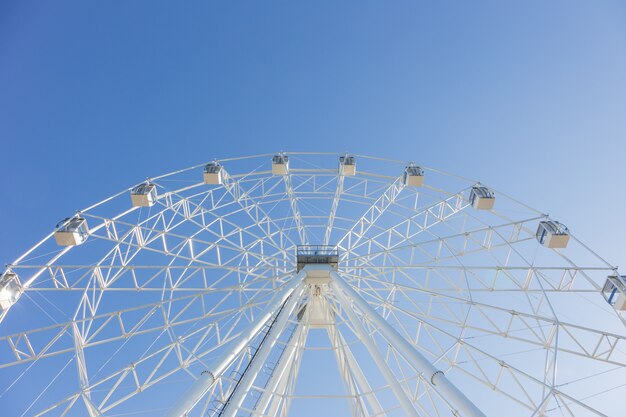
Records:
x=345, y=359
x=354, y=399
x=208, y=377
x=261, y=355
x=366, y=339
x=281, y=400
x=280, y=371
x=430, y=373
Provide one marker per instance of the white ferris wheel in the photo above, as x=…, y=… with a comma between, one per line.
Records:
x=295, y=284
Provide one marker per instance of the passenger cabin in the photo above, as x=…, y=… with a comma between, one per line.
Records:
x=552, y=234
x=482, y=198
x=10, y=290
x=347, y=165
x=614, y=291
x=317, y=254
x=413, y=176
x=280, y=164
x=144, y=195
x=71, y=232
x=213, y=174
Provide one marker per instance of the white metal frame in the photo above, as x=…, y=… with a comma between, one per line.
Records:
x=182, y=291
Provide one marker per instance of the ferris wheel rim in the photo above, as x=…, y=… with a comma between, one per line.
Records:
x=383, y=179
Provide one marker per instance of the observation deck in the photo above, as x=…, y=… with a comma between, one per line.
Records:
x=317, y=254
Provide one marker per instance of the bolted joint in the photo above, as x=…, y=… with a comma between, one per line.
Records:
x=432, y=377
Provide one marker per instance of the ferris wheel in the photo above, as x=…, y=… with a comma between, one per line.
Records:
x=296, y=284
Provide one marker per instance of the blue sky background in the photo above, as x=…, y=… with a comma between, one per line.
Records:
x=527, y=97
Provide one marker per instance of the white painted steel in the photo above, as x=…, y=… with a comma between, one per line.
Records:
x=208, y=377
x=430, y=373
x=262, y=354
x=352, y=369
x=398, y=391
x=162, y=291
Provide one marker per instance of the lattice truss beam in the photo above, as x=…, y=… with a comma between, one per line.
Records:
x=156, y=293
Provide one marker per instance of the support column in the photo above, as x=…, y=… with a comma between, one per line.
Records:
x=208, y=377
x=279, y=371
x=366, y=339
x=344, y=355
x=261, y=356
x=431, y=374
x=281, y=400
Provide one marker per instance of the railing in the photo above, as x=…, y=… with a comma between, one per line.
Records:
x=317, y=254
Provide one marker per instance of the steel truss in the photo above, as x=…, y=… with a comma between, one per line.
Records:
x=193, y=306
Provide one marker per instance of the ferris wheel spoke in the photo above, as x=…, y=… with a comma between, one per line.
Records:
x=369, y=196
x=494, y=376
x=526, y=278
x=487, y=381
x=113, y=326
x=182, y=244
x=124, y=384
x=333, y=208
x=169, y=242
x=295, y=210
x=373, y=212
x=435, y=249
x=143, y=277
x=411, y=226
x=252, y=207
x=215, y=225
x=480, y=279
x=511, y=324
x=233, y=191
x=217, y=204
x=162, y=363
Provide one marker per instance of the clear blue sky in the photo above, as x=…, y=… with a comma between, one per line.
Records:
x=528, y=97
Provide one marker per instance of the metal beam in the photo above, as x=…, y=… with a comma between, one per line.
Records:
x=293, y=202
x=280, y=370
x=366, y=339
x=333, y=209
x=208, y=377
x=348, y=364
x=262, y=354
x=431, y=374
x=281, y=400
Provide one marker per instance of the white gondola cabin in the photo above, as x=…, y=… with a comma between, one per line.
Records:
x=482, y=198
x=144, y=195
x=552, y=234
x=213, y=174
x=614, y=291
x=347, y=165
x=10, y=290
x=413, y=176
x=71, y=232
x=280, y=164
